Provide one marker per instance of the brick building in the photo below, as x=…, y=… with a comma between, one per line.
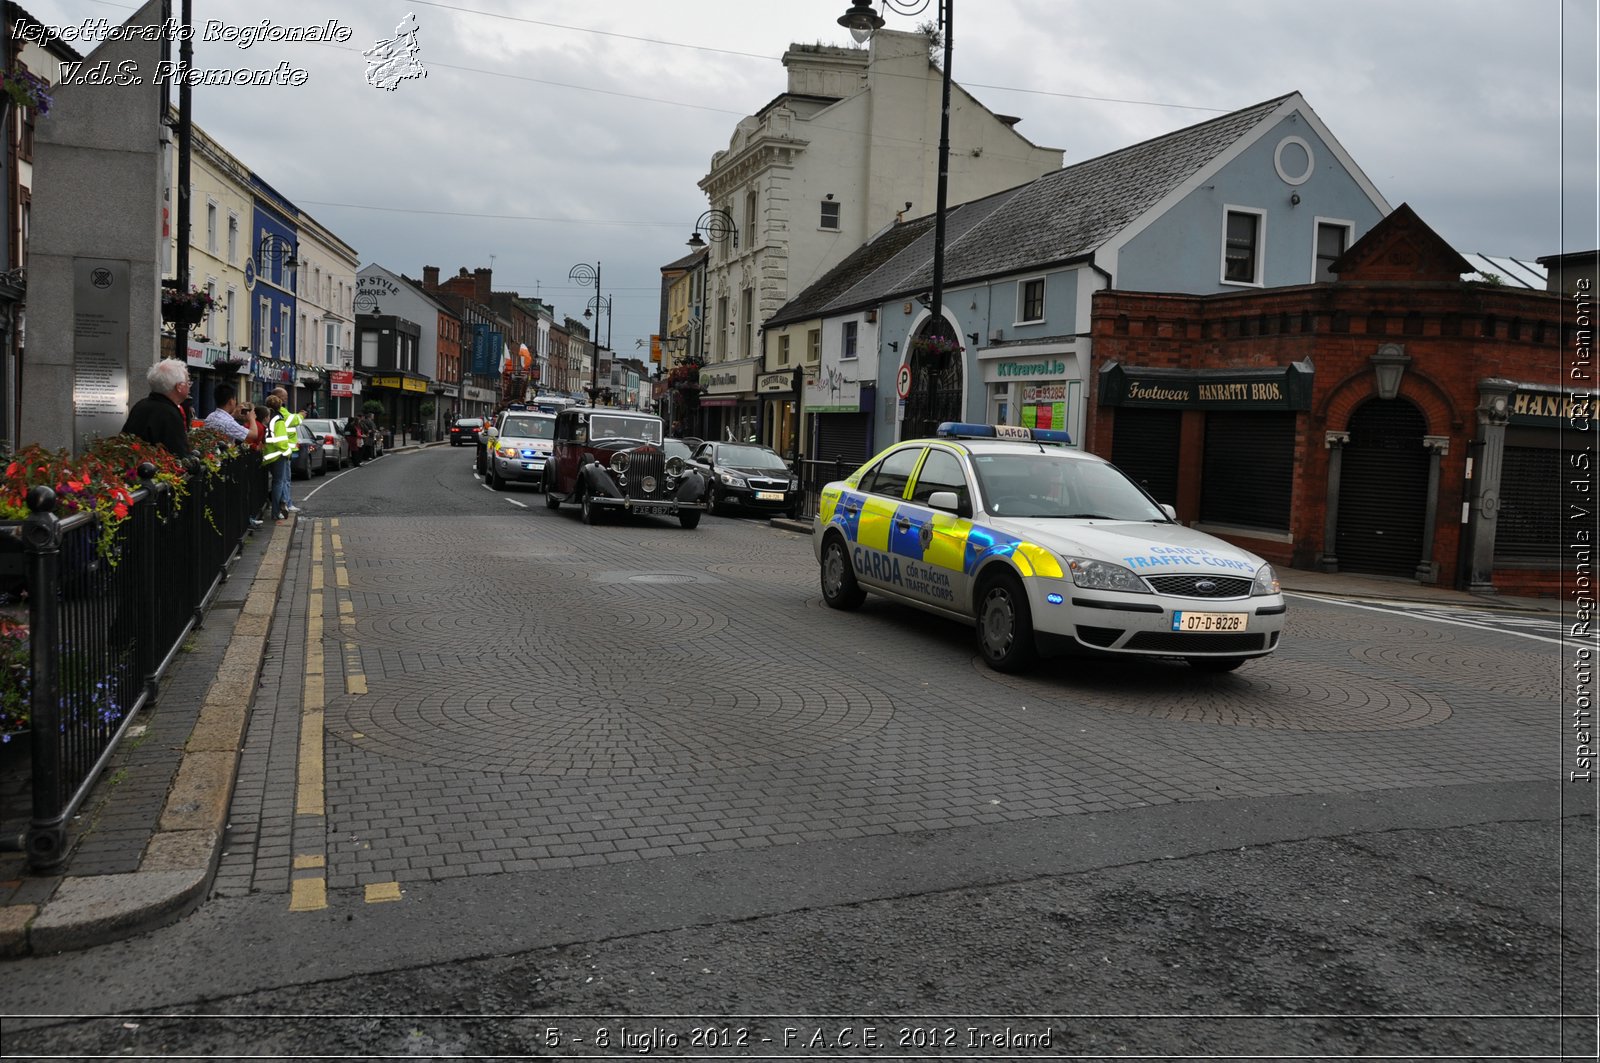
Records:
x=1395, y=421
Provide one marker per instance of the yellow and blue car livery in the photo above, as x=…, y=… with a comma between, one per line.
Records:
x=1093, y=583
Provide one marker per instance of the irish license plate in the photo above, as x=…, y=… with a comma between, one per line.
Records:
x=769, y=496
x=1187, y=621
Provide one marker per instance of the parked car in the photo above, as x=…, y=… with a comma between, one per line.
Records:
x=308, y=459
x=1040, y=547
x=750, y=476
x=335, y=447
x=612, y=461
x=518, y=447
x=465, y=430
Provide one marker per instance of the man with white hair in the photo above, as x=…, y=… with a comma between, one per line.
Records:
x=159, y=417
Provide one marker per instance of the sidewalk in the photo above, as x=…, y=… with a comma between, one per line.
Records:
x=148, y=840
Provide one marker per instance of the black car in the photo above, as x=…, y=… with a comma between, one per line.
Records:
x=465, y=430
x=750, y=476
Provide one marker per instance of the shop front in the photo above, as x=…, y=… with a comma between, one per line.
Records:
x=402, y=396
x=474, y=402
x=728, y=408
x=267, y=374
x=1219, y=445
x=1035, y=386
x=343, y=393
x=781, y=424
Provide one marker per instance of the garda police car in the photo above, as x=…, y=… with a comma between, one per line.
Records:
x=1045, y=548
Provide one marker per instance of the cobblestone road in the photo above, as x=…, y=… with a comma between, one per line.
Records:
x=509, y=690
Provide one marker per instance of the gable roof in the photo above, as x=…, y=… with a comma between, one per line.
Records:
x=1401, y=247
x=1060, y=217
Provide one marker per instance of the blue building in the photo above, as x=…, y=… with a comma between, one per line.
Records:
x=270, y=287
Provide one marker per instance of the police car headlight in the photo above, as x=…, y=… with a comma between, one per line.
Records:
x=508, y=452
x=1266, y=581
x=730, y=479
x=1104, y=576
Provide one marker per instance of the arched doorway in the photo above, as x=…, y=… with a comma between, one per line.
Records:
x=1383, y=490
x=937, y=380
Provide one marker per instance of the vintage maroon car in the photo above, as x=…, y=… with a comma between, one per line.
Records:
x=610, y=460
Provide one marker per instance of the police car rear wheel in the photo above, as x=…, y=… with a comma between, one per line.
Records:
x=1215, y=664
x=839, y=587
x=1005, y=628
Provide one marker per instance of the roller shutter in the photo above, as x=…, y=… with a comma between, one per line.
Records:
x=1144, y=444
x=1383, y=490
x=844, y=435
x=1248, y=470
x=1528, y=524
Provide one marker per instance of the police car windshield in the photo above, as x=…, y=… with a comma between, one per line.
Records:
x=610, y=426
x=529, y=427
x=1050, y=485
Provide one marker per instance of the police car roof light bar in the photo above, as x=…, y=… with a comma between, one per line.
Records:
x=965, y=430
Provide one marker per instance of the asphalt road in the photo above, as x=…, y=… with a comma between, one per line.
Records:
x=633, y=784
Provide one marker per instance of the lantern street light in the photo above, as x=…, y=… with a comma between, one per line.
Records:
x=861, y=20
x=718, y=225
x=583, y=273
x=597, y=304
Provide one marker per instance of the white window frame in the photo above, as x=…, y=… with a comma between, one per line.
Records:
x=1317, y=223
x=849, y=340
x=211, y=226
x=783, y=349
x=264, y=329
x=1256, y=281
x=822, y=216
x=233, y=238
x=1022, y=300
x=285, y=330
x=229, y=310
x=211, y=315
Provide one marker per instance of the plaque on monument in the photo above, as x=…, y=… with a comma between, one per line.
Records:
x=100, y=295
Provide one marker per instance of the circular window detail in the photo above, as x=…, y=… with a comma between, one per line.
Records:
x=1294, y=153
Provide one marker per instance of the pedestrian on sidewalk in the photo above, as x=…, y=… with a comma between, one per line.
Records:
x=228, y=418
x=275, y=454
x=159, y=417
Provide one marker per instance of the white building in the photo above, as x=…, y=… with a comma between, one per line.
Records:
x=852, y=144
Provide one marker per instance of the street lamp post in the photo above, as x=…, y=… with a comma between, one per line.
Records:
x=596, y=304
x=583, y=273
x=719, y=227
x=861, y=20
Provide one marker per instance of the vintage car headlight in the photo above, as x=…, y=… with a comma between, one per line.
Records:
x=1266, y=581
x=620, y=461
x=674, y=466
x=1104, y=576
x=730, y=479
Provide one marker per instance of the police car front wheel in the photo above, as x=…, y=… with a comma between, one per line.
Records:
x=1005, y=627
x=839, y=587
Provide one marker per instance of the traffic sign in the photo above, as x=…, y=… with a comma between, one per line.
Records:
x=902, y=380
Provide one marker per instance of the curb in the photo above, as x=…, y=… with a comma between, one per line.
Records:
x=179, y=863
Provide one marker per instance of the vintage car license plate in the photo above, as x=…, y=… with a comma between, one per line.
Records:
x=769, y=496
x=1187, y=621
x=651, y=507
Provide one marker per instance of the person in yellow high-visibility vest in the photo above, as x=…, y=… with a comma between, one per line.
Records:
x=276, y=452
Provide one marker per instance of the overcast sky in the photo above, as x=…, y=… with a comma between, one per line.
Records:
x=551, y=134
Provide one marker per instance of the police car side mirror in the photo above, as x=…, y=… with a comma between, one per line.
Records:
x=950, y=502
x=1172, y=514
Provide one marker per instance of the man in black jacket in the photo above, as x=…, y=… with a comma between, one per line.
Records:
x=159, y=417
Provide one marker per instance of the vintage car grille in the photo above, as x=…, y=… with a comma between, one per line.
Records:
x=1201, y=586
x=644, y=467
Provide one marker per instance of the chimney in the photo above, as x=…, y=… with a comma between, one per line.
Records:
x=480, y=279
x=430, y=278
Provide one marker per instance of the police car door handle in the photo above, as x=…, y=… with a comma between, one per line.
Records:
x=902, y=523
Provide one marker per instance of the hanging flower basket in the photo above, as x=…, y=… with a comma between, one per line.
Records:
x=934, y=345
x=26, y=90
x=187, y=308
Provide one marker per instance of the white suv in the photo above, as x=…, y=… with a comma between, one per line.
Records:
x=517, y=448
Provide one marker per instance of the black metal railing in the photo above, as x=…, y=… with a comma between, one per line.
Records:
x=108, y=610
x=816, y=474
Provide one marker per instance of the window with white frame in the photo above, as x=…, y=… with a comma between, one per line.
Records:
x=233, y=239
x=747, y=322
x=229, y=318
x=1333, y=237
x=847, y=339
x=330, y=343
x=1030, y=300
x=783, y=349
x=830, y=215
x=211, y=314
x=285, y=332
x=1241, y=245
x=814, y=345
x=211, y=228
x=752, y=206
x=264, y=330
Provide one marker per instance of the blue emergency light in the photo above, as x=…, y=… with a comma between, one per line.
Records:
x=963, y=430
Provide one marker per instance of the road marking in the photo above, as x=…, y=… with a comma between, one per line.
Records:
x=519, y=505
x=308, y=894
x=1417, y=614
x=305, y=863
x=381, y=892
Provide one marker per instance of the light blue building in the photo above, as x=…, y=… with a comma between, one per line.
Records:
x=1262, y=197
